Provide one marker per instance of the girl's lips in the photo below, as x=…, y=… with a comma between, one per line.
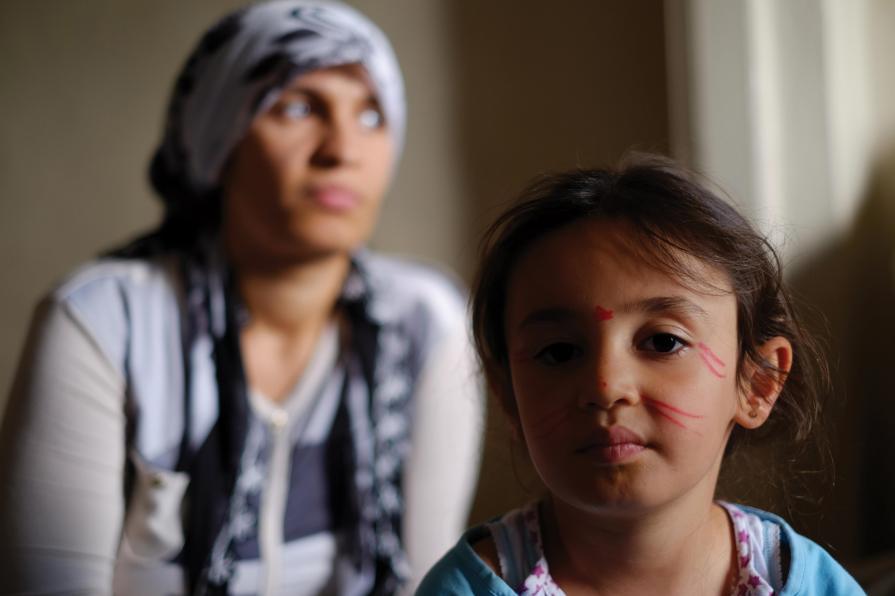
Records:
x=334, y=198
x=612, y=445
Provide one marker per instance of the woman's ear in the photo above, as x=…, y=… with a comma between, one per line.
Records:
x=764, y=382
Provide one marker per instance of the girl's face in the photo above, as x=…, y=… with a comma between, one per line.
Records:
x=624, y=380
x=309, y=176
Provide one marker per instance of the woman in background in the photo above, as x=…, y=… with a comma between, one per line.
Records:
x=245, y=400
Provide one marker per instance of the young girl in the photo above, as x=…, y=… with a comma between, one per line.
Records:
x=633, y=325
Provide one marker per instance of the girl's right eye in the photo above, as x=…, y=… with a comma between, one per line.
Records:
x=663, y=343
x=296, y=109
x=558, y=353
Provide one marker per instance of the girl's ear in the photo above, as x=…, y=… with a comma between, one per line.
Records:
x=764, y=382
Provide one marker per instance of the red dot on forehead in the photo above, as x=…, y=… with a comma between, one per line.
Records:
x=603, y=314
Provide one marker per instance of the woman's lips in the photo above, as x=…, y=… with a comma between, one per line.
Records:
x=334, y=198
x=612, y=445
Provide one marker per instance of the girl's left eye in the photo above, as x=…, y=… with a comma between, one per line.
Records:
x=371, y=118
x=663, y=343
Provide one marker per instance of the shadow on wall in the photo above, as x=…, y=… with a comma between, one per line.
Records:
x=548, y=86
x=851, y=283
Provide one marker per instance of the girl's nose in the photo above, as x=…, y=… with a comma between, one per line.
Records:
x=608, y=383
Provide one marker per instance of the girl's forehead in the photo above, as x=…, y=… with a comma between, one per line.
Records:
x=610, y=259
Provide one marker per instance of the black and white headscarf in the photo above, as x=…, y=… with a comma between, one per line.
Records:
x=237, y=71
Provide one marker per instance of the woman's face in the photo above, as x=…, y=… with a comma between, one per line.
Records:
x=308, y=178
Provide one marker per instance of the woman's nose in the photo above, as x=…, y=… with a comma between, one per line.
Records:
x=338, y=144
x=609, y=381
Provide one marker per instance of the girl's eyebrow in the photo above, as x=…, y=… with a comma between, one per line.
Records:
x=667, y=304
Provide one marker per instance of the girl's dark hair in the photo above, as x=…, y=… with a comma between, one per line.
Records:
x=672, y=219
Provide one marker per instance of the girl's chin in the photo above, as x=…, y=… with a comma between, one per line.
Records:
x=610, y=498
x=614, y=510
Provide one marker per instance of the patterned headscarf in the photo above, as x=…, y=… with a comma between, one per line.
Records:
x=239, y=68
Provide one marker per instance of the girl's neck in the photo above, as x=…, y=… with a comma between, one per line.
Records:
x=684, y=548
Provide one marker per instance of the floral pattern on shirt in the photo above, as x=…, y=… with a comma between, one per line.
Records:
x=750, y=581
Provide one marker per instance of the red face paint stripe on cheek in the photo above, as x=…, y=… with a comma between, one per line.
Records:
x=661, y=404
x=603, y=314
x=711, y=368
x=550, y=422
x=711, y=360
x=671, y=419
x=660, y=407
x=708, y=352
x=677, y=422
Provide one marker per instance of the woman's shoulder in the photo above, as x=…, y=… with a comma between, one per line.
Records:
x=99, y=277
x=108, y=298
x=811, y=569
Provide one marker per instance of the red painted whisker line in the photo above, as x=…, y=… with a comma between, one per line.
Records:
x=711, y=368
x=550, y=422
x=670, y=418
x=708, y=352
x=554, y=417
x=662, y=405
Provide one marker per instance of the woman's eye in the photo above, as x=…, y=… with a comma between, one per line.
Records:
x=663, y=343
x=371, y=119
x=558, y=353
x=297, y=110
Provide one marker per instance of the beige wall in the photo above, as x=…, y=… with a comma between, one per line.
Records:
x=84, y=88
x=498, y=91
